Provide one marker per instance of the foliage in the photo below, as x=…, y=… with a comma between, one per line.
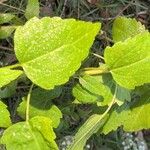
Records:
x=50, y=51
x=124, y=28
x=4, y=18
x=41, y=104
x=91, y=126
x=128, y=115
x=5, y=119
x=32, y=9
x=6, y=31
x=8, y=75
x=35, y=134
x=100, y=90
x=123, y=59
x=40, y=35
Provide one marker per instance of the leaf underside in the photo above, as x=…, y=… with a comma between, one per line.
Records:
x=133, y=116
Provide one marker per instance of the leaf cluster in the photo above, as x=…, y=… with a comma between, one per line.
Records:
x=49, y=52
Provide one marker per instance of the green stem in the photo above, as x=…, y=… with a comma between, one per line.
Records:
x=11, y=66
x=12, y=26
x=96, y=123
x=16, y=26
x=95, y=71
x=28, y=102
x=99, y=56
x=111, y=104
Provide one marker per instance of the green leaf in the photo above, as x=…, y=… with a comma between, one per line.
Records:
x=84, y=96
x=32, y=9
x=91, y=126
x=6, y=31
x=37, y=134
x=133, y=116
x=9, y=90
x=99, y=89
x=6, y=17
x=94, y=85
x=124, y=28
x=5, y=116
x=41, y=104
x=17, y=21
x=122, y=94
x=8, y=75
x=129, y=61
x=50, y=50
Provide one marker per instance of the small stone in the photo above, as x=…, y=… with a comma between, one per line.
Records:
x=68, y=142
x=88, y=146
x=63, y=143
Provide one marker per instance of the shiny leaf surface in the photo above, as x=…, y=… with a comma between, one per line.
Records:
x=37, y=134
x=8, y=75
x=5, y=116
x=50, y=50
x=124, y=28
x=129, y=61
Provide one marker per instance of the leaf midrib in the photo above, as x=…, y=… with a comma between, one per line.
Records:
x=82, y=137
x=57, y=49
x=138, y=36
x=130, y=65
x=38, y=146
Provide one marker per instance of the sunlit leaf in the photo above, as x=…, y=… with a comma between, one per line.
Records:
x=8, y=75
x=129, y=61
x=50, y=50
x=5, y=116
x=37, y=134
x=124, y=28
